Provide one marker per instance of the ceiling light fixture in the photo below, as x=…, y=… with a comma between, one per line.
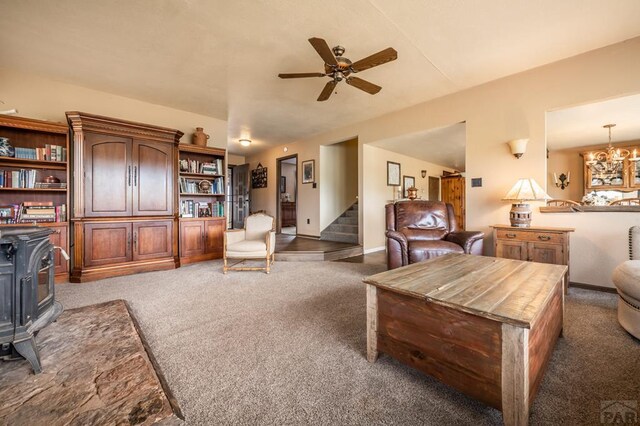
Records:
x=244, y=142
x=610, y=162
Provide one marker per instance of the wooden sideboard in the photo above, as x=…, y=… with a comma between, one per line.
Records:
x=534, y=244
x=288, y=210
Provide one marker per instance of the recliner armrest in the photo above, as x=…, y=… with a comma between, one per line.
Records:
x=467, y=240
x=399, y=237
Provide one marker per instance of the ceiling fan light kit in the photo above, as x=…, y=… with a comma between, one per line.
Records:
x=339, y=68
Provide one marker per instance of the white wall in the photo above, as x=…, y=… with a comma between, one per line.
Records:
x=339, y=176
x=45, y=99
x=377, y=193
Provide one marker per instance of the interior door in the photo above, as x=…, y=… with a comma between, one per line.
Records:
x=107, y=243
x=108, y=175
x=152, y=178
x=434, y=188
x=152, y=240
x=240, y=200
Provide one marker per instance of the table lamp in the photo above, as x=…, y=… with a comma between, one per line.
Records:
x=523, y=190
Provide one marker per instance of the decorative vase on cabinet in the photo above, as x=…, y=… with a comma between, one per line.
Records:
x=200, y=138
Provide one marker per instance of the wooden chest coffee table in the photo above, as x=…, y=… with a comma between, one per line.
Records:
x=484, y=325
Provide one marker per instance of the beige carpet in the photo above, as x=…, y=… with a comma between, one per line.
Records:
x=289, y=348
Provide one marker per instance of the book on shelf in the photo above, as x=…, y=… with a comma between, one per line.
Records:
x=213, y=167
x=194, y=209
x=26, y=178
x=33, y=212
x=48, y=153
x=193, y=186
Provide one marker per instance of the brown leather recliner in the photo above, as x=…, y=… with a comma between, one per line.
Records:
x=419, y=230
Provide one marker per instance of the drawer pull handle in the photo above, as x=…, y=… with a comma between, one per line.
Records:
x=510, y=235
x=544, y=237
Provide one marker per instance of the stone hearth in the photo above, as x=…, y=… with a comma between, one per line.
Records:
x=95, y=371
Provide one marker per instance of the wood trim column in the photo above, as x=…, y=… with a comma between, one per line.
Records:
x=515, y=375
x=372, y=323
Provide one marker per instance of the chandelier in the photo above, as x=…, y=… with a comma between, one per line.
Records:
x=611, y=161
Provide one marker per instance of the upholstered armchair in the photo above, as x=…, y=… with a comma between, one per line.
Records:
x=419, y=230
x=626, y=278
x=256, y=241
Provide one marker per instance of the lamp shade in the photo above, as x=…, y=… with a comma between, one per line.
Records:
x=518, y=146
x=526, y=190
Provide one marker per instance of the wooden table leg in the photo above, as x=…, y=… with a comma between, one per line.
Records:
x=515, y=375
x=372, y=323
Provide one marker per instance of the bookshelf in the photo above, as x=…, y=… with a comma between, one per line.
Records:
x=34, y=188
x=201, y=187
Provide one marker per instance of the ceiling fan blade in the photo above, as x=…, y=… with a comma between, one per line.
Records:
x=323, y=50
x=363, y=85
x=327, y=91
x=387, y=55
x=301, y=75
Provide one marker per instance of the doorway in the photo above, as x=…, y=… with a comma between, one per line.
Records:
x=287, y=195
x=238, y=195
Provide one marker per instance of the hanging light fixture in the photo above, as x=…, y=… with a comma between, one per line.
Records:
x=611, y=161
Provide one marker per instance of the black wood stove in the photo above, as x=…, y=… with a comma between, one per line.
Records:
x=27, y=294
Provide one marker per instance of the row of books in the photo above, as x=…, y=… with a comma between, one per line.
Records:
x=33, y=212
x=26, y=178
x=195, y=186
x=191, y=208
x=48, y=153
x=215, y=167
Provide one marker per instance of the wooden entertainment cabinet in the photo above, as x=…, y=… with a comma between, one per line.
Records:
x=124, y=205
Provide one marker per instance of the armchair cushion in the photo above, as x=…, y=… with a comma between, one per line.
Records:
x=234, y=236
x=423, y=250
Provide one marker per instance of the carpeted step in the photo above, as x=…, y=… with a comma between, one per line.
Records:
x=347, y=229
x=350, y=213
x=347, y=220
x=339, y=236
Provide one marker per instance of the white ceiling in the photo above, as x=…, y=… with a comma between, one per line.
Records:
x=221, y=58
x=582, y=125
x=444, y=146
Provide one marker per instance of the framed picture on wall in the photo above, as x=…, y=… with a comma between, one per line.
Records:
x=407, y=182
x=393, y=173
x=283, y=184
x=308, y=171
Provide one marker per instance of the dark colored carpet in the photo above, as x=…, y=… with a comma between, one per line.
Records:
x=289, y=348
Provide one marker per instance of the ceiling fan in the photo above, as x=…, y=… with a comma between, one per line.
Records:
x=339, y=68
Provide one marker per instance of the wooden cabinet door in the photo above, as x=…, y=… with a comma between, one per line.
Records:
x=107, y=243
x=59, y=238
x=153, y=183
x=152, y=240
x=213, y=237
x=516, y=250
x=107, y=176
x=546, y=253
x=191, y=238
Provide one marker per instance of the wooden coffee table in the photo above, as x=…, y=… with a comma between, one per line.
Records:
x=484, y=325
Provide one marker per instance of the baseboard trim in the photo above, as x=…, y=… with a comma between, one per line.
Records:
x=374, y=249
x=593, y=287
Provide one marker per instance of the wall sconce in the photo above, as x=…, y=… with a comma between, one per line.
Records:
x=562, y=181
x=518, y=147
x=423, y=173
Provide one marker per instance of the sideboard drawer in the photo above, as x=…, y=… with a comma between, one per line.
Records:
x=520, y=235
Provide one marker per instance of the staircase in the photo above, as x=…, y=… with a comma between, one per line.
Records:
x=345, y=228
